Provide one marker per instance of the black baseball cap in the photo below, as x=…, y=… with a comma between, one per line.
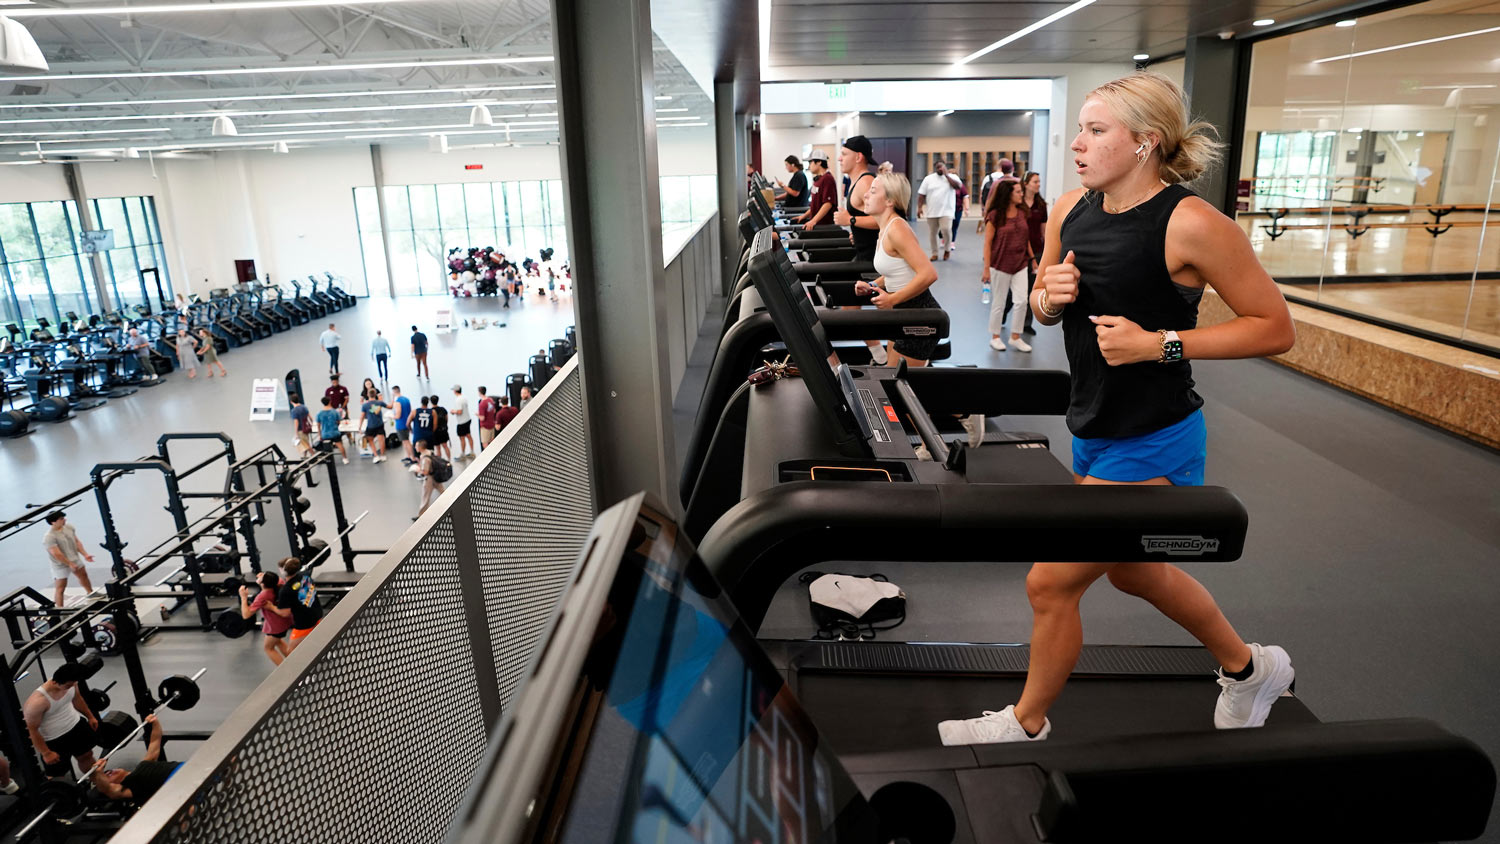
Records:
x=861, y=145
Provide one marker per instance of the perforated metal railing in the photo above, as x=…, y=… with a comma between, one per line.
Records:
x=371, y=731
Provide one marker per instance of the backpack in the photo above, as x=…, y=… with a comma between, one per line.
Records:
x=442, y=470
x=846, y=606
x=441, y=415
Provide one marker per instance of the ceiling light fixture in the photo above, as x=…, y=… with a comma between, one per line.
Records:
x=1263, y=22
x=132, y=152
x=945, y=113
x=664, y=96
x=30, y=134
x=252, y=5
x=18, y=50
x=332, y=95
x=1140, y=57
x=1020, y=33
x=281, y=147
x=223, y=127
x=681, y=125
x=190, y=115
x=683, y=117
x=1409, y=44
x=665, y=110
x=480, y=116
x=306, y=68
x=1347, y=23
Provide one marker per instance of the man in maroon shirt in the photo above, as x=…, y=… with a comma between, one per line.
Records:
x=825, y=192
x=505, y=413
x=486, y=414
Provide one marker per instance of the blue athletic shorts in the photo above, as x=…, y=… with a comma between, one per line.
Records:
x=1176, y=452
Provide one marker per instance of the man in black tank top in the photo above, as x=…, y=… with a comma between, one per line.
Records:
x=864, y=232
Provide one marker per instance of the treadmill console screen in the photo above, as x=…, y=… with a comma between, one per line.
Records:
x=831, y=385
x=677, y=729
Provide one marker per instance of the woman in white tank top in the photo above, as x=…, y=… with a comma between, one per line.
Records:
x=906, y=272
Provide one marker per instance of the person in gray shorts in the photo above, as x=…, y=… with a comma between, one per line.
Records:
x=67, y=556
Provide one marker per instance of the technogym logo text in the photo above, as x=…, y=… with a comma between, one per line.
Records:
x=1179, y=546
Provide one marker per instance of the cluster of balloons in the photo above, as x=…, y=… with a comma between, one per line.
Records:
x=487, y=266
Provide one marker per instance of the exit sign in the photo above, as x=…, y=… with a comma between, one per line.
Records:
x=473, y=166
x=839, y=91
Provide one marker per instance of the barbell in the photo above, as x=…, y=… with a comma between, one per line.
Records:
x=68, y=798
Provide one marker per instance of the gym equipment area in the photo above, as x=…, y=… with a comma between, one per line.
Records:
x=710, y=570
x=49, y=376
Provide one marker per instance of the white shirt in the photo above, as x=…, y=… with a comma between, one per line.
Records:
x=893, y=268
x=459, y=410
x=940, y=195
x=330, y=339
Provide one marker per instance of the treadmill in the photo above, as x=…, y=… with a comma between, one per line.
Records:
x=651, y=714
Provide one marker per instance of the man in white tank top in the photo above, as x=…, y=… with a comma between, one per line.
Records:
x=60, y=721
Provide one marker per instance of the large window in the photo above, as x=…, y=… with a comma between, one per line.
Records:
x=46, y=273
x=426, y=221
x=1369, y=168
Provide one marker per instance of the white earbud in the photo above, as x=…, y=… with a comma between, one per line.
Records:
x=1140, y=149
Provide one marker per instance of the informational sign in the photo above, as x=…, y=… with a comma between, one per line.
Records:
x=263, y=399
x=1243, y=187
x=473, y=166
x=1241, y=205
x=99, y=241
x=839, y=91
x=444, y=320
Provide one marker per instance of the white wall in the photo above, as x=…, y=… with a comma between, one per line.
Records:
x=292, y=214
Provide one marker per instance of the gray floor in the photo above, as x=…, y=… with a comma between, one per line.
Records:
x=1373, y=555
x=57, y=458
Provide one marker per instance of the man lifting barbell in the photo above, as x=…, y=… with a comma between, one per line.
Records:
x=141, y=783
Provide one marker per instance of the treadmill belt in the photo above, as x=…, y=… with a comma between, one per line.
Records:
x=869, y=714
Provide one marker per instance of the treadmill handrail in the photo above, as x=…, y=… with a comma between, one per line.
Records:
x=773, y=534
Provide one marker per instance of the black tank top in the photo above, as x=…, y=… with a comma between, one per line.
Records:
x=864, y=239
x=1121, y=260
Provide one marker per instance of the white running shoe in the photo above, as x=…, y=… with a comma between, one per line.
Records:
x=989, y=728
x=997, y=344
x=974, y=425
x=1246, y=703
x=1020, y=345
x=346, y=461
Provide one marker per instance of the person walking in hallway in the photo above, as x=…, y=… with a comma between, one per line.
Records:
x=274, y=626
x=301, y=424
x=419, y=352
x=329, y=340
x=1007, y=256
x=137, y=343
x=373, y=411
x=67, y=556
x=1126, y=261
x=380, y=352
x=935, y=201
x=328, y=429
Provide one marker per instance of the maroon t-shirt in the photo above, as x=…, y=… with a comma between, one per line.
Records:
x=504, y=415
x=1008, y=247
x=272, y=623
x=825, y=191
x=487, y=413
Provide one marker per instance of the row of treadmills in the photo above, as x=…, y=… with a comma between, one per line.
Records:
x=654, y=714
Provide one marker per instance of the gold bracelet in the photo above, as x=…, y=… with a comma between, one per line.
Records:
x=1042, y=304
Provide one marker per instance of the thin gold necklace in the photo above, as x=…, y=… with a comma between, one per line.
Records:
x=1119, y=210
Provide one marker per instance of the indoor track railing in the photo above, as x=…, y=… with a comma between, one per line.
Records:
x=371, y=730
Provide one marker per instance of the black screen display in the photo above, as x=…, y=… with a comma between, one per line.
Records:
x=694, y=735
x=797, y=322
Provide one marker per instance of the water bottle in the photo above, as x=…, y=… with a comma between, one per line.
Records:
x=984, y=295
